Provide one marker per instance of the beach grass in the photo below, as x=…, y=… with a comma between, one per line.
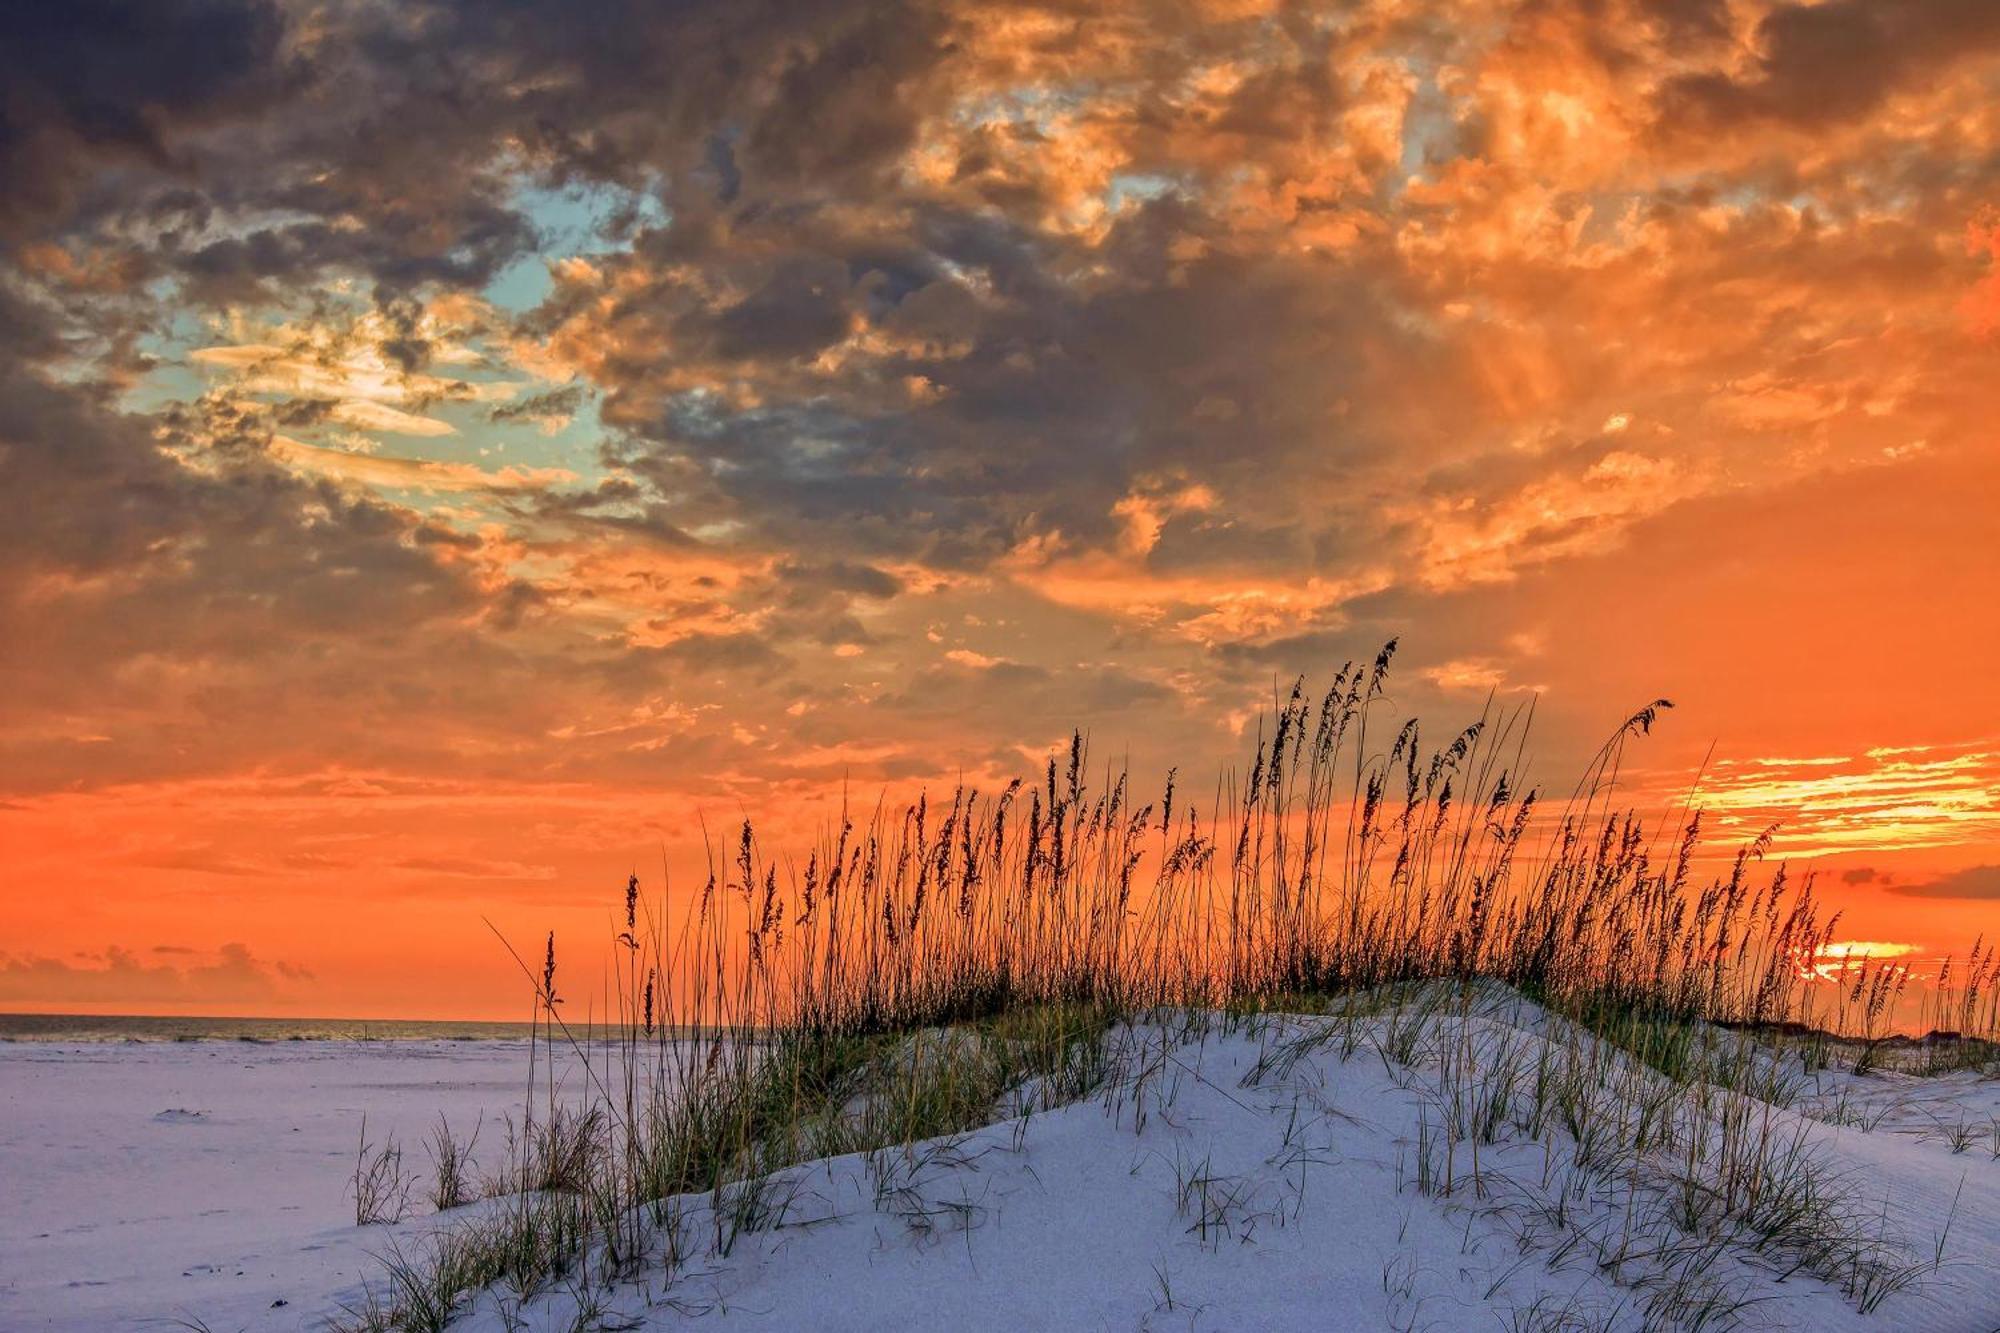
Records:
x=938, y=966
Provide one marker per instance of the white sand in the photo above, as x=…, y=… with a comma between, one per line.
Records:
x=1304, y=1210
x=209, y=1179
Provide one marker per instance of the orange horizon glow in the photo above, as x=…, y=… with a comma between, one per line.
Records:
x=730, y=416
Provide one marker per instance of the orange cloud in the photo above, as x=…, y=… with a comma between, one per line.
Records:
x=1980, y=307
x=414, y=474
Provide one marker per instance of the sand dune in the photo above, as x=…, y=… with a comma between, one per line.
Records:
x=1291, y=1173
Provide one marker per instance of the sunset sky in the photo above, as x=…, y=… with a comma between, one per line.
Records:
x=450, y=450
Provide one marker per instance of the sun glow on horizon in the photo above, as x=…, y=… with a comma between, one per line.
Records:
x=1835, y=961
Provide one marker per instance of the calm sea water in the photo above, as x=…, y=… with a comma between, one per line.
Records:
x=122, y=1027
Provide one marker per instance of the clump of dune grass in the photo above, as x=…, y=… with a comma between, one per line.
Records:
x=380, y=1187
x=452, y=1184
x=939, y=965
x=1695, y=1156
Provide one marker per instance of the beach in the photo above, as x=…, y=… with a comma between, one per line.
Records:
x=1226, y=1178
x=209, y=1180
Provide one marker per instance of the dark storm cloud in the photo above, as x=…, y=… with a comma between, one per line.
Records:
x=840, y=576
x=741, y=653
x=88, y=84
x=1041, y=404
x=1688, y=21
x=1025, y=698
x=800, y=310
x=1819, y=64
x=286, y=125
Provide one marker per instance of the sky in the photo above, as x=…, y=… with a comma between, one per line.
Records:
x=455, y=453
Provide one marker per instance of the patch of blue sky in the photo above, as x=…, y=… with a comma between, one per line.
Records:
x=1037, y=105
x=806, y=438
x=1752, y=196
x=567, y=221
x=480, y=439
x=1137, y=187
x=574, y=447
x=171, y=378
x=700, y=412
x=570, y=220
x=1430, y=134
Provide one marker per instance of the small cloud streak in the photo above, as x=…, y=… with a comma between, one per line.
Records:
x=1972, y=884
x=118, y=976
x=1474, y=674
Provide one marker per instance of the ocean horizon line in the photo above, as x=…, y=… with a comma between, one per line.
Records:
x=58, y=1029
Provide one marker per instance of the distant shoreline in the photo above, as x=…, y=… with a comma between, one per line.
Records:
x=156, y=1029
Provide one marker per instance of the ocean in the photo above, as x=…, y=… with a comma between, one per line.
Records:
x=151, y=1028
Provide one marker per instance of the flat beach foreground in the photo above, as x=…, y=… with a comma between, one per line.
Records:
x=1286, y=1173
x=209, y=1179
